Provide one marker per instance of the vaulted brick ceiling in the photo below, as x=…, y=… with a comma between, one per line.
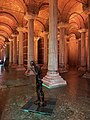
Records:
x=12, y=15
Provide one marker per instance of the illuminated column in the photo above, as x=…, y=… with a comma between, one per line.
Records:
x=83, y=50
x=79, y=52
x=20, y=50
x=87, y=75
x=88, y=60
x=14, y=65
x=53, y=79
x=1, y=54
x=11, y=52
x=36, y=49
x=30, y=19
x=66, y=52
x=7, y=51
x=45, y=34
x=62, y=44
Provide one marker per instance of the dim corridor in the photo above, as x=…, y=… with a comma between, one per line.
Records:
x=73, y=100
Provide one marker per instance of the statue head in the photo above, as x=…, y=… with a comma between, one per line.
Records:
x=32, y=63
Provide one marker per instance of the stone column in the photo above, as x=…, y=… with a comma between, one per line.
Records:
x=36, y=49
x=88, y=47
x=30, y=19
x=20, y=50
x=83, y=50
x=66, y=52
x=79, y=53
x=7, y=52
x=1, y=52
x=14, y=65
x=53, y=79
x=87, y=74
x=62, y=43
x=11, y=52
x=45, y=35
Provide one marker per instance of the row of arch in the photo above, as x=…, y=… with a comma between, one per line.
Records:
x=9, y=21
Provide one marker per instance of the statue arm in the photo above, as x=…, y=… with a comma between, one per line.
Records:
x=33, y=69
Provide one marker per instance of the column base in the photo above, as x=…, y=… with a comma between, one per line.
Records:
x=86, y=75
x=29, y=72
x=45, y=67
x=14, y=66
x=10, y=64
x=3, y=86
x=20, y=68
x=63, y=70
x=82, y=68
x=53, y=80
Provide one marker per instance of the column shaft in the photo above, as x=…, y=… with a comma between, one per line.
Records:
x=30, y=56
x=15, y=50
x=52, y=79
x=62, y=48
x=11, y=52
x=30, y=41
x=79, y=52
x=83, y=50
x=20, y=48
x=88, y=47
x=45, y=50
x=53, y=63
x=36, y=49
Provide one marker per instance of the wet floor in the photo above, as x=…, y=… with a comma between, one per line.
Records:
x=73, y=100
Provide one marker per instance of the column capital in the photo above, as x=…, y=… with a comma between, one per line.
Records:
x=79, y=39
x=29, y=16
x=10, y=39
x=87, y=11
x=62, y=25
x=36, y=38
x=82, y=30
x=86, y=7
x=6, y=40
x=14, y=35
x=66, y=36
x=20, y=29
x=25, y=29
x=45, y=33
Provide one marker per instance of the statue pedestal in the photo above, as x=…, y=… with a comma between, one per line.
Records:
x=45, y=110
x=53, y=80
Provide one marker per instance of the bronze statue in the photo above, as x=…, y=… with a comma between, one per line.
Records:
x=40, y=94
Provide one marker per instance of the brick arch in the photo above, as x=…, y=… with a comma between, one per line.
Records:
x=2, y=37
x=4, y=33
x=81, y=19
x=10, y=16
x=7, y=25
x=5, y=28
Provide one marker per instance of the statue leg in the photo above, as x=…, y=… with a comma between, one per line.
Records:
x=38, y=95
x=42, y=96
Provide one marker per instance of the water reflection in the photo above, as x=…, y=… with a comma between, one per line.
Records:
x=77, y=86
